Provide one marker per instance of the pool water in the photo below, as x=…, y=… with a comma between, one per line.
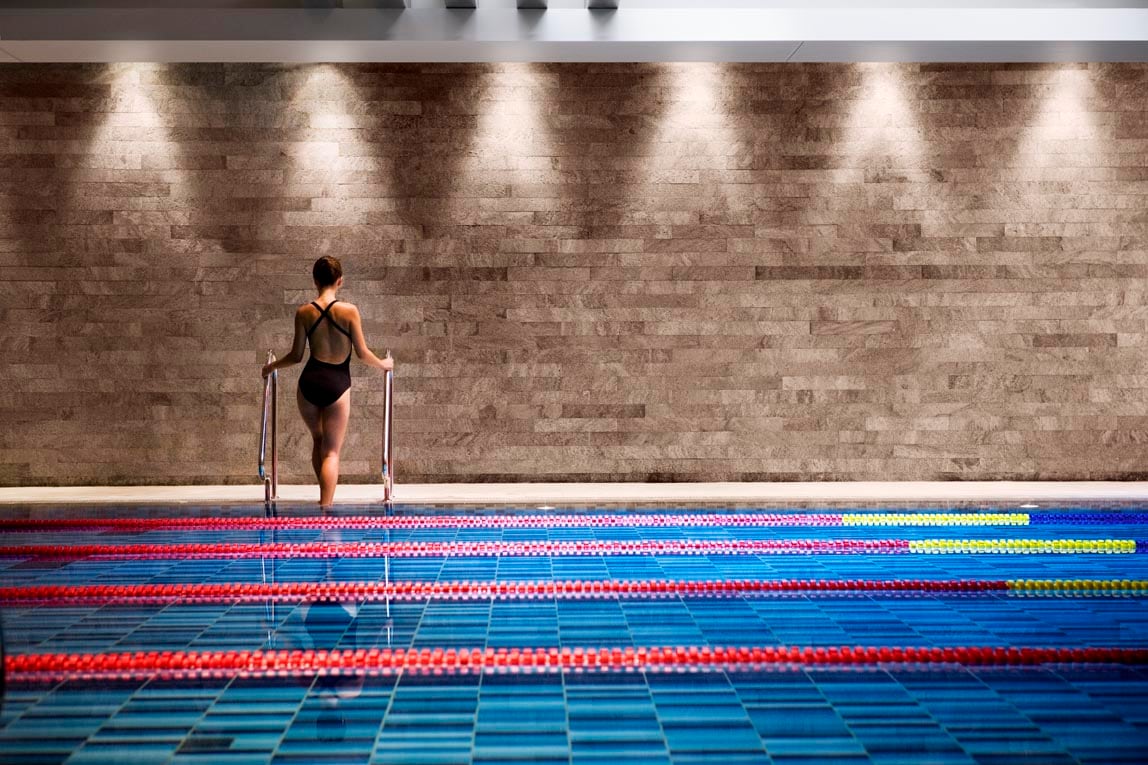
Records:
x=868, y=635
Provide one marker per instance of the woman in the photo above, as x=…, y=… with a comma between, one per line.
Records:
x=332, y=327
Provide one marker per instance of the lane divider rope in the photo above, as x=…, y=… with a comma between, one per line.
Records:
x=433, y=521
x=366, y=591
x=288, y=663
x=685, y=520
x=574, y=548
x=444, y=549
x=298, y=592
x=1024, y=546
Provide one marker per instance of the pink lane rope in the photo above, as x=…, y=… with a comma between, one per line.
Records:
x=428, y=522
x=451, y=549
x=306, y=663
x=296, y=592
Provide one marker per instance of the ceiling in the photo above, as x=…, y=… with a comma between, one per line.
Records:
x=637, y=30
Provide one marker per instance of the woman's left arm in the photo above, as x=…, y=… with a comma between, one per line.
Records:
x=360, y=344
x=295, y=355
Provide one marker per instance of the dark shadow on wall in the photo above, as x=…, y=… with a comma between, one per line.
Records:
x=67, y=252
x=231, y=271
x=132, y=341
x=618, y=193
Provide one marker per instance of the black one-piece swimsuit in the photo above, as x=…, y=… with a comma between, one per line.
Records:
x=322, y=383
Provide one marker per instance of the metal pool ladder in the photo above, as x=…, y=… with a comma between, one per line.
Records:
x=388, y=461
x=269, y=432
x=269, y=435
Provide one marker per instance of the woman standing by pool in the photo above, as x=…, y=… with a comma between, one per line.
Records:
x=324, y=393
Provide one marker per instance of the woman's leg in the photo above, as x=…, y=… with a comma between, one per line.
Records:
x=314, y=424
x=333, y=420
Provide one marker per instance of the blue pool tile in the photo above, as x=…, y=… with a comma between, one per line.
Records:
x=712, y=736
x=802, y=722
x=817, y=748
x=122, y=753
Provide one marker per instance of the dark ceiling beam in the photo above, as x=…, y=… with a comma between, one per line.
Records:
x=602, y=5
x=468, y=5
x=531, y=5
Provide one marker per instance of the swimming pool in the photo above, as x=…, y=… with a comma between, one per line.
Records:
x=815, y=634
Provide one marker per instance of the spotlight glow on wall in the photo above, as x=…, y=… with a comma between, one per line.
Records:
x=695, y=133
x=512, y=141
x=882, y=130
x=1063, y=123
x=329, y=94
x=135, y=108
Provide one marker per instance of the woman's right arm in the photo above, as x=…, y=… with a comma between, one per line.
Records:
x=295, y=355
x=360, y=344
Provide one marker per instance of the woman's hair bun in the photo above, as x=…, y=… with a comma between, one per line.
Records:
x=326, y=271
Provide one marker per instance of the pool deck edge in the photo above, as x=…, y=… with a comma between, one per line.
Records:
x=605, y=493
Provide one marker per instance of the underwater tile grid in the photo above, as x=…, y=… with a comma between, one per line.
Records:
x=906, y=634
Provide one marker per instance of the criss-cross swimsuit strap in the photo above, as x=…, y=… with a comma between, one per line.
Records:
x=323, y=314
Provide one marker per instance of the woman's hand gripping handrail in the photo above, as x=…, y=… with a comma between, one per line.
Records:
x=388, y=461
x=268, y=432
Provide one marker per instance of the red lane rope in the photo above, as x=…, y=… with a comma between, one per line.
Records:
x=429, y=522
x=378, y=591
x=186, y=664
x=444, y=549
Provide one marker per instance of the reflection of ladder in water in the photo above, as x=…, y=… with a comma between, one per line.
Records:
x=268, y=441
x=4, y=671
x=268, y=436
x=388, y=472
x=267, y=568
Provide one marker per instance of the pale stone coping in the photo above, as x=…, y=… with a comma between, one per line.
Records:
x=580, y=493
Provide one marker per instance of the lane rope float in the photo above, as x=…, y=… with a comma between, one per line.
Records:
x=54, y=667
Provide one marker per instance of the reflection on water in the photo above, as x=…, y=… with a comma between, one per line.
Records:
x=325, y=625
x=331, y=625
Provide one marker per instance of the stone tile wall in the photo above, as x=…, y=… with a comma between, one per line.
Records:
x=585, y=272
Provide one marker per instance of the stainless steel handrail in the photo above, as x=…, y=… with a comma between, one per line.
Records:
x=269, y=432
x=388, y=461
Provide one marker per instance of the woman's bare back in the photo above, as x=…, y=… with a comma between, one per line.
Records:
x=328, y=344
